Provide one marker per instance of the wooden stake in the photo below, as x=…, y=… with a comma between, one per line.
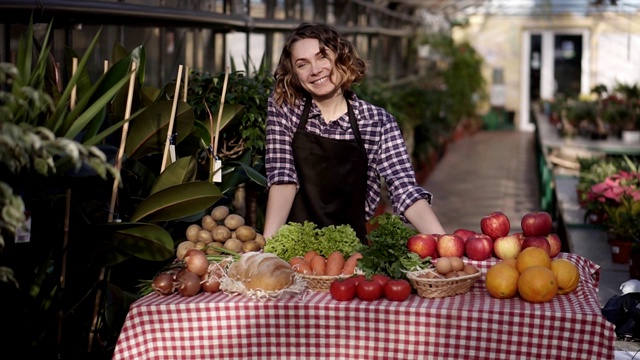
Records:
x=114, y=193
x=176, y=94
x=186, y=84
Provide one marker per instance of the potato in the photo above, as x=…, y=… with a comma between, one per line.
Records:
x=250, y=245
x=260, y=240
x=201, y=245
x=208, y=222
x=205, y=236
x=192, y=232
x=219, y=213
x=183, y=247
x=233, y=221
x=245, y=233
x=233, y=245
x=221, y=233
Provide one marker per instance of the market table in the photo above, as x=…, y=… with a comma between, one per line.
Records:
x=314, y=326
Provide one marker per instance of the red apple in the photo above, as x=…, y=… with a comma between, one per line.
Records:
x=555, y=244
x=422, y=244
x=507, y=247
x=495, y=225
x=450, y=245
x=536, y=223
x=478, y=247
x=464, y=233
x=537, y=241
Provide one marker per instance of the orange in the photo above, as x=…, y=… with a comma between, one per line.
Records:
x=537, y=284
x=532, y=256
x=511, y=262
x=567, y=275
x=501, y=281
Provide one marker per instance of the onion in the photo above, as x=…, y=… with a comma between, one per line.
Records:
x=196, y=261
x=163, y=284
x=188, y=284
x=210, y=283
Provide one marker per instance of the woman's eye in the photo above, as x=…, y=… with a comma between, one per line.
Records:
x=300, y=65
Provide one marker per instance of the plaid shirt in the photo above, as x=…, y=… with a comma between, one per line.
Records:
x=383, y=142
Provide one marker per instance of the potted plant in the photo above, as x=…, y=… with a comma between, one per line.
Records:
x=618, y=197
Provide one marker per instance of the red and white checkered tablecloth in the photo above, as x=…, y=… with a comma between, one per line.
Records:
x=314, y=326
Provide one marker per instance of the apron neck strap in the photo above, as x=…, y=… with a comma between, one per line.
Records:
x=352, y=118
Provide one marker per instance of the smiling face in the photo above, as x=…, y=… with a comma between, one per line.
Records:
x=314, y=69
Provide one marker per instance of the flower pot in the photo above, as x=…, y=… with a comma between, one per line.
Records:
x=620, y=250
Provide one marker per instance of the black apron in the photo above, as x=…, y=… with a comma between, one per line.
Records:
x=332, y=177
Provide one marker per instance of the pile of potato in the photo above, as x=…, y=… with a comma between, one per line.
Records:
x=223, y=229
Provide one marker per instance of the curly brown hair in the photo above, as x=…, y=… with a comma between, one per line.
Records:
x=347, y=62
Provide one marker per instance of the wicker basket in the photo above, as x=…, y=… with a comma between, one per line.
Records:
x=323, y=282
x=430, y=284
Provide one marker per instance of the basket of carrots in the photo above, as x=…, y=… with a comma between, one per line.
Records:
x=319, y=272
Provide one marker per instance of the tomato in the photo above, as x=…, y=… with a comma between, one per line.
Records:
x=382, y=279
x=356, y=279
x=369, y=290
x=342, y=290
x=397, y=290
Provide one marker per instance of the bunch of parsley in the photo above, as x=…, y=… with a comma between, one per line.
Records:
x=387, y=253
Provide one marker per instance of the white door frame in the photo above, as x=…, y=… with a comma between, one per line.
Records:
x=547, y=82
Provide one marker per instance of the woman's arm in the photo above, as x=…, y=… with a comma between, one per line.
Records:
x=422, y=217
x=278, y=206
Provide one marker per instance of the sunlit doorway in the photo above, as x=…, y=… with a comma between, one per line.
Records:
x=554, y=63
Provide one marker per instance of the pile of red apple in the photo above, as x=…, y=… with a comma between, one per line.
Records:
x=493, y=240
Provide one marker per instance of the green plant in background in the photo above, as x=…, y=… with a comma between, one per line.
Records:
x=461, y=74
x=241, y=145
x=58, y=165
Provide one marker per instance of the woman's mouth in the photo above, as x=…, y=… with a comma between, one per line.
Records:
x=320, y=81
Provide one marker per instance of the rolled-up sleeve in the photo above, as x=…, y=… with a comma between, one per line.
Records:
x=396, y=168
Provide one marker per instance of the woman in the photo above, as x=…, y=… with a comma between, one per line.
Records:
x=327, y=149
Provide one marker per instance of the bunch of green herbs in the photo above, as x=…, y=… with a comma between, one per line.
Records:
x=295, y=239
x=387, y=253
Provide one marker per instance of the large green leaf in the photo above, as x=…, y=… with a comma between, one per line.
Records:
x=229, y=112
x=181, y=171
x=177, y=202
x=148, y=132
x=142, y=240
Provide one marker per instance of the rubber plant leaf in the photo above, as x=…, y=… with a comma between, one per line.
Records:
x=229, y=112
x=143, y=240
x=148, y=132
x=177, y=202
x=181, y=171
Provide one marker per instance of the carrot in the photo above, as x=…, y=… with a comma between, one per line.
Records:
x=335, y=262
x=303, y=268
x=318, y=265
x=296, y=260
x=350, y=264
x=309, y=255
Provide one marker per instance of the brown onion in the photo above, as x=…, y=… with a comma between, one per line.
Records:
x=163, y=284
x=210, y=283
x=196, y=261
x=188, y=283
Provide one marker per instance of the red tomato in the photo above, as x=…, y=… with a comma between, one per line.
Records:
x=356, y=279
x=342, y=290
x=369, y=290
x=397, y=290
x=382, y=279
